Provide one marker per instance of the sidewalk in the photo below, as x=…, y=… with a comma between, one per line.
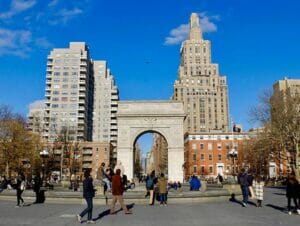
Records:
x=214, y=213
x=137, y=195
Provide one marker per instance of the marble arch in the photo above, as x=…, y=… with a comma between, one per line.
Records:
x=164, y=117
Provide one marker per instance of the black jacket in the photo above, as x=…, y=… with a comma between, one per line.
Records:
x=88, y=188
x=292, y=188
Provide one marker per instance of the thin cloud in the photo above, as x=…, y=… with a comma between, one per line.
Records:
x=16, y=7
x=65, y=15
x=53, y=3
x=15, y=42
x=179, y=34
x=43, y=42
x=206, y=23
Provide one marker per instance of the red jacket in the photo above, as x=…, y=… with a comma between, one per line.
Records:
x=117, y=185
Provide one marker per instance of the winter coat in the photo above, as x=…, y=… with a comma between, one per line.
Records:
x=153, y=180
x=88, y=188
x=117, y=185
x=195, y=184
x=100, y=173
x=162, y=185
x=37, y=183
x=243, y=180
x=292, y=188
x=258, y=189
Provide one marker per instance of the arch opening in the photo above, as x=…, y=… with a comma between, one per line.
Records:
x=150, y=152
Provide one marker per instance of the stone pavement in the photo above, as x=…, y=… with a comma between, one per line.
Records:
x=218, y=212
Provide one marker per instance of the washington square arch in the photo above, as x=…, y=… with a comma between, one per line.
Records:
x=163, y=117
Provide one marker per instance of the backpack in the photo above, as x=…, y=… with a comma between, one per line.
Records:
x=23, y=186
x=149, y=182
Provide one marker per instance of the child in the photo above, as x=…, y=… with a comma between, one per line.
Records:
x=258, y=185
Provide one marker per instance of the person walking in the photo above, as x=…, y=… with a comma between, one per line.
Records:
x=244, y=183
x=292, y=186
x=117, y=192
x=88, y=194
x=258, y=185
x=151, y=180
x=162, y=189
x=37, y=183
x=20, y=187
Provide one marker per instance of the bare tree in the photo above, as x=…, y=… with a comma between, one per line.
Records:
x=279, y=115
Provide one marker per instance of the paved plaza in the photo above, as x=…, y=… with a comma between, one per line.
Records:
x=210, y=213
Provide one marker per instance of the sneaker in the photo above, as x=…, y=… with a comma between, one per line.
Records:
x=17, y=206
x=244, y=204
x=298, y=211
x=90, y=222
x=290, y=213
x=78, y=218
x=165, y=204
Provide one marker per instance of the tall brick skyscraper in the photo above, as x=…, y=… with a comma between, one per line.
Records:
x=199, y=86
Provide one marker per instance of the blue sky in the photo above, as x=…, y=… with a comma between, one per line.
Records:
x=255, y=43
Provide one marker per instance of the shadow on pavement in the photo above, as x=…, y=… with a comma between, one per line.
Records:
x=277, y=193
x=28, y=204
x=282, y=209
x=107, y=212
x=233, y=199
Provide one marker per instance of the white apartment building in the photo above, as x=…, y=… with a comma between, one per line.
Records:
x=105, y=104
x=69, y=93
x=199, y=85
x=36, y=116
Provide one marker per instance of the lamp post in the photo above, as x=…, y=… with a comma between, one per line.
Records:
x=233, y=154
x=44, y=154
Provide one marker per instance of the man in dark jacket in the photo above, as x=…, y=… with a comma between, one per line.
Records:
x=88, y=194
x=151, y=180
x=292, y=192
x=243, y=180
x=37, y=183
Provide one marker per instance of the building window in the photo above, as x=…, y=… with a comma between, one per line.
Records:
x=220, y=157
x=209, y=146
x=210, y=157
x=202, y=156
x=195, y=169
x=194, y=146
x=194, y=157
x=201, y=146
x=219, y=146
x=202, y=169
x=210, y=169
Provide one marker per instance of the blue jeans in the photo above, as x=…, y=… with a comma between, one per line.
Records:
x=107, y=182
x=163, y=198
x=89, y=209
x=245, y=192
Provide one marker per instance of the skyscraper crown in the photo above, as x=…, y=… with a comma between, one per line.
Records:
x=195, y=29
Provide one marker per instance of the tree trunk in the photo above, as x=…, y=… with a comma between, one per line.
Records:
x=7, y=169
x=297, y=170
